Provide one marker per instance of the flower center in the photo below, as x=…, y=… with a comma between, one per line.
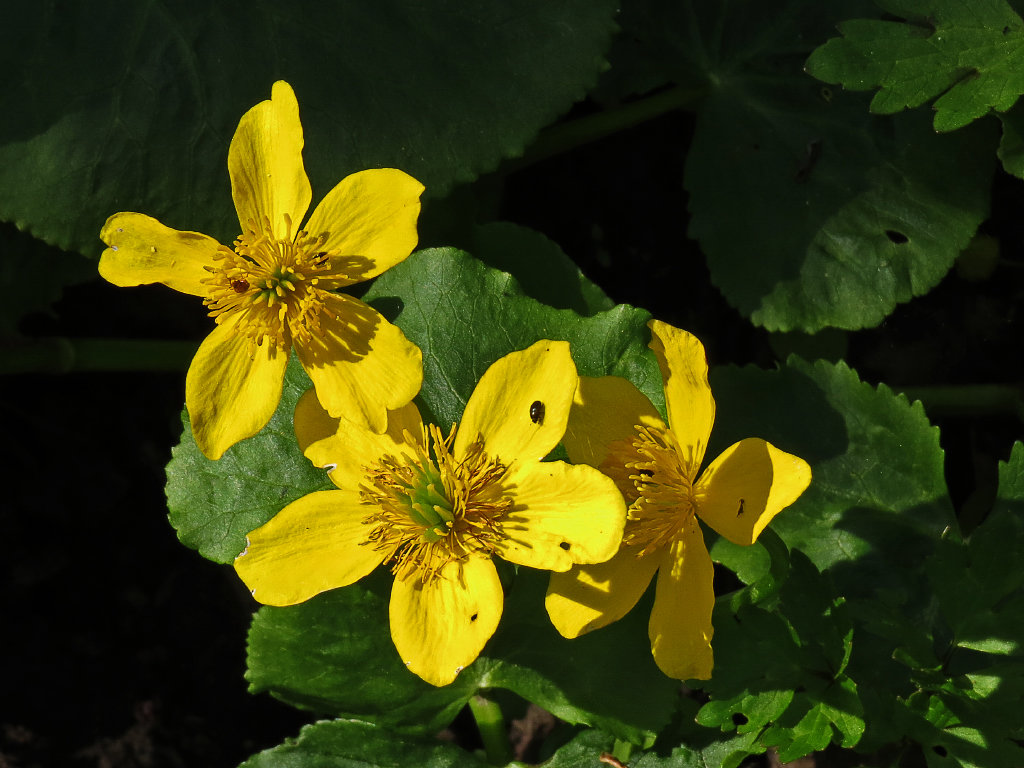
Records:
x=662, y=476
x=267, y=285
x=431, y=511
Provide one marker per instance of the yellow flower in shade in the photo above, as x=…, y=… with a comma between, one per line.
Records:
x=274, y=290
x=614, y=427
x=438, y=508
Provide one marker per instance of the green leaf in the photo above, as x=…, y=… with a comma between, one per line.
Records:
x=878, y=497
x=214, y=504
x=970, y=55
x=352, y=744
x=334, y=654
x=131, y=107
x=540, y=266
x=812, y=213
x=28, y=262
x=465, y=316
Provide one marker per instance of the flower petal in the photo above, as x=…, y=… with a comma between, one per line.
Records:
x=312, y=423
x=369, y=222
x=521, y=404
x=316, y=543
x=361, y=365
x=749, y=484
x=142, y=251
x=441, y=627
x=268, y=179
x=680, y=626
x=353, y=447
x=588, y=597
x=563, y=514
x=684, y=368
x=605, y=410
x=229, y=395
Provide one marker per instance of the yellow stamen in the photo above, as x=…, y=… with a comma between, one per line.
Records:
x=661, y=474
x=429, y=512
x=269, y=285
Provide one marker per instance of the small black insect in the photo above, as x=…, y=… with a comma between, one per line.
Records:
x=537, y=412
x=740, y=510
x=241, y=285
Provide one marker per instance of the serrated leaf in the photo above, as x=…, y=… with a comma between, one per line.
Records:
x=811, y=212
x=540, y=266
x=353, y=744
x=970, y=55
x=214, y=504
x=878, y=496
x=465, y=316
x=334, y=654
x=28, y=262
x=812, y=733
x=874, y=213
x=132, y=107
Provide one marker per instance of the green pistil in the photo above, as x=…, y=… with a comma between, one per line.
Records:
x=429, y=507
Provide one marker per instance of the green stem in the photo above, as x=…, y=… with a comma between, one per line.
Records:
x=491, y=724
x=970, y=399
x=62, y=355
x=569, y=135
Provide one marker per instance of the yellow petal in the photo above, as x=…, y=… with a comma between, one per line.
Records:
x=605, y=410
x=369, y=222
x=229, y=395
x=314, y=544
x=354, y=447
x=361, y=365
x=268, y=179
x=680, y=626
x=440, y=628
x=563, y=514
x=521, y=404
x=684, y=368
x=312, y=422
x=588, y=597
x=142, y=251
x=749, y=484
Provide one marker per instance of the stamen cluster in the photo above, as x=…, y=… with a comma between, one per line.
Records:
x=269, y=285
x=662, y=478
x=430, y=511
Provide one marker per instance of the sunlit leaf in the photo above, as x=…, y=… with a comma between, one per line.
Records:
x=969, y=55
x=131, y=107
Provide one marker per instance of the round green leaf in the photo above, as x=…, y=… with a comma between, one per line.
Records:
x=214, y=504
x=352, y=744
x=877, y=500
x=131, y=106
x=334, y=655
x=811, y=212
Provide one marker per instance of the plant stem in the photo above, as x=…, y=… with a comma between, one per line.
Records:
x=491, y=724
x=569, y=135
x=62, y=355
x=970, y=399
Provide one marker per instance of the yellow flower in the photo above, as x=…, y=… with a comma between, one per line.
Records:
x=438, y=508
x=274, y=290
x=614, y=427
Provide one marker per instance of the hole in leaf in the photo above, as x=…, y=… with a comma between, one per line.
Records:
x=738, y=718
x=565, y=545
x=940, y=750
x=896, y=237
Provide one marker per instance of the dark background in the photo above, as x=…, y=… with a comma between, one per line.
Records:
x=123, y=648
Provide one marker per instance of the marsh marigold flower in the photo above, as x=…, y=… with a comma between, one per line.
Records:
x=274, y=290
x=437, y=509
x=657, y=466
